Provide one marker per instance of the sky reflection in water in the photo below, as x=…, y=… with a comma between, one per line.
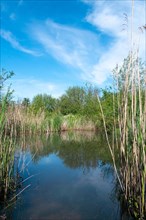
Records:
x=73, y=179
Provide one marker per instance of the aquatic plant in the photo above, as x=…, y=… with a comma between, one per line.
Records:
x=129, y=129
x=6, y=142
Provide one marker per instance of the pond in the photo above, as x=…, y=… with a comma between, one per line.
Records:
x=65, y=176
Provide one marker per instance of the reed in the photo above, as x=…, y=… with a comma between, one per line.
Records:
x=77, y=122
x=6, y=142
x=131, y=101
x=25, y=122
x=129, y=130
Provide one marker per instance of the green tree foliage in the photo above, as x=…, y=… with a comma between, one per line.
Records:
x=107, y=104
x=26, y=102
x=73, y=101
x=80, y=100
x=5, y=94
x=91, y=106
x=43, y=102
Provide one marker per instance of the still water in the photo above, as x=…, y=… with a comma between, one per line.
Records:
x=67, y=176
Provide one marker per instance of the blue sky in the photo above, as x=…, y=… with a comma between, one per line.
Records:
x=54, y=44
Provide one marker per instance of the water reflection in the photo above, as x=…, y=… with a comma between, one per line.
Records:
x=77, y=149
x=72, y=178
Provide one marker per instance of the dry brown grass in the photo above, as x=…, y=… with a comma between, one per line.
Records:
x=129, y=129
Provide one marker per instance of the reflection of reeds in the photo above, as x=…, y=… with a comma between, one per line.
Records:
x=36, y=144
x=77, y=136
x=73, y=147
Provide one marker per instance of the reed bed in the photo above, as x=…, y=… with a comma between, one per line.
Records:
x=131, y=102
x=7, y=182
x=71, y=122
x=129, y=131
x=18, y=121
x=26, y=122
x=129, y=136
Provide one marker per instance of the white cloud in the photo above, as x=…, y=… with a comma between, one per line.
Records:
x=108, y=60
x=24, y=88
x=68, y=45
x=85, y=50
x=8, y=36
x=107, y=17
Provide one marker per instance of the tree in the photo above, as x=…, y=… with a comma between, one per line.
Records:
x=73, y=101
x=26, y=102
x=4, y=98
x=43, y=102
x=4, y=76
x=91, y=107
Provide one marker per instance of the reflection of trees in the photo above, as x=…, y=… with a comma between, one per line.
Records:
x=81, y=154
x=76, y=149
x=39, y=146
x=82, y=150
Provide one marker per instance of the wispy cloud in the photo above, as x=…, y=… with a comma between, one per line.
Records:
x=68, y=45
x=108, y=18
x=85, y=50
x=8, y=36
x=31, y=87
